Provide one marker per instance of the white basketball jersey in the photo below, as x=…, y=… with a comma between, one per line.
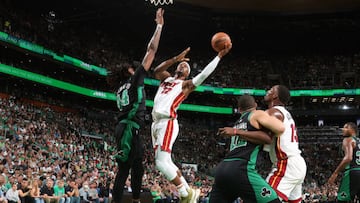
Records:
x=168, y=98
x=286, y=144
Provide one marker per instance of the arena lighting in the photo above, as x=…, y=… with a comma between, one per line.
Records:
x=345, y=107
x=49, y=53
x=98, y=94
x=148, y=81
x=55, y=83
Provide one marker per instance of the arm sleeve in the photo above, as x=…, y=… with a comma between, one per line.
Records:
x=201, y=77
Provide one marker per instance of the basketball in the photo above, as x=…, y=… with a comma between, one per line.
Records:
x=219, y=40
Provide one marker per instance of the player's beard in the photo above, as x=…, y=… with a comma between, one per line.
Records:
x=179, y=73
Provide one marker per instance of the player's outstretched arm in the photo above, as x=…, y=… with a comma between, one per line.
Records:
x=201, y=77
x=190, y=85
x=161, y=72
x=154, y=41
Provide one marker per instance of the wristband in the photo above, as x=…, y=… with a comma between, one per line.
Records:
x=159, y=26
x=234, y=131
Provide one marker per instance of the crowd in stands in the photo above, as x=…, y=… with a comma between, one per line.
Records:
x=43, y=146
x=317, y=70
x=39, y=144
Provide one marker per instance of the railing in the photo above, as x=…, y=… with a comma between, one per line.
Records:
x=328, y=134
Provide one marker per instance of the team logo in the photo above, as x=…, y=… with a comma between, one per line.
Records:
x=120, y=153
x=343, y=194
x=167, y=86
x=265, y=192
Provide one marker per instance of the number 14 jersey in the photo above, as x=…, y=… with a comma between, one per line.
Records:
x=286, y=144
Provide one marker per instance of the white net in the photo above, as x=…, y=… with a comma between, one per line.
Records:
x=160, y=2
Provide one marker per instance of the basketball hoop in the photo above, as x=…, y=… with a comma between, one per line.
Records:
x=161, y=2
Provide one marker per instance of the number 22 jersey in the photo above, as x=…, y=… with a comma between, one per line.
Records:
x=168, y=98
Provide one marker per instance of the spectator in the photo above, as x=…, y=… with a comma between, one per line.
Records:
x=156, y=193
x=93, y=192
x=104, y=192
x=2, y=182
x=72, y=190
x=59, y=191
x=47, y=191
x=24, y=191
x=12, y=195
x=2, y=197
x=35, y=191
x=84, y=192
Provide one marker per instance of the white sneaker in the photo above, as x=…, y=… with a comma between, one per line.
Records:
x=187, y=199
x=195, y=195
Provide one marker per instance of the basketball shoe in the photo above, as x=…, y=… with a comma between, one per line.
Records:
x=189, y=198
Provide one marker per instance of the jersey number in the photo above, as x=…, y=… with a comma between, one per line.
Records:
x=357, y=161
x=122, y=99
x=236, y=142
x=294, y=137
x=167, y=87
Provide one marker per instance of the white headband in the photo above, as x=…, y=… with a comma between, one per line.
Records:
x=187, y=64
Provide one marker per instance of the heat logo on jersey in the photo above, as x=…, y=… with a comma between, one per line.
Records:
x=167, y=86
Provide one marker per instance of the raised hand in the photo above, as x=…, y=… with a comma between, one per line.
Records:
x=159, y=16
x=225, y=50
x=181, y=56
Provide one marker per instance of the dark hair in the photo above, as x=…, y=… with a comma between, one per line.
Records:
x=283, y=94
x=353, y=126
x=118, y=74
x=246, y=102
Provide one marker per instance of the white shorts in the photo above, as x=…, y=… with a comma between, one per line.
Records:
x=287, y=178
x=164, y=133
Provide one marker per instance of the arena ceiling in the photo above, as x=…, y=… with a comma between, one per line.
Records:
x=278, y=6
x=225, y=6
